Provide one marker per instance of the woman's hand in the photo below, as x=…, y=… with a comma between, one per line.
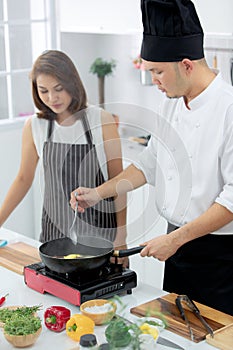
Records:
x=86, y=197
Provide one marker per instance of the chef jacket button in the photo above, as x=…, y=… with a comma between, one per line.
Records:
x=163, y=208
x=169, y=178
x=190, y=156
x=198, y=125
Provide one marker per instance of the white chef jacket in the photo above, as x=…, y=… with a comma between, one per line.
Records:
x=189, y=158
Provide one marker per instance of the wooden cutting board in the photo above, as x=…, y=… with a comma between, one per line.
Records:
x=17, y=255
x=223, y=338
x=166, y=305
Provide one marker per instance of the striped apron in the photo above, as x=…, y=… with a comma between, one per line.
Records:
x=203, y=270
x=66, y=167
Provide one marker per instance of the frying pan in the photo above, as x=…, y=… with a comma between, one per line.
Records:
x=97, y=249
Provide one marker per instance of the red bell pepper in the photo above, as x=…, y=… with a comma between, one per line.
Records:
x=55, y=318
x=2, y=299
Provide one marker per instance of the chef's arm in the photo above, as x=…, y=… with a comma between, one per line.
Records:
x=164, y=246
x=25, y=176
x=211, y=220
x=128, y=180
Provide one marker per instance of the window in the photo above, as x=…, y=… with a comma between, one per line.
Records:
x=25, y=32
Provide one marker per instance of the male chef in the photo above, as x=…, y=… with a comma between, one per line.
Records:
x=190, y=156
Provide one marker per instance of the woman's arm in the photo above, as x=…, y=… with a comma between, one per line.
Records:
x=25, y=176
x=112, y=147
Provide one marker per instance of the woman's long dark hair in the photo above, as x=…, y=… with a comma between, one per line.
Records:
x=59, y=65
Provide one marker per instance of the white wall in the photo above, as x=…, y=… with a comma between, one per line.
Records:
x=215, y=16
x=124, y=85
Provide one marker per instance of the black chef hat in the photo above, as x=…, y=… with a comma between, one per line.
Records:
x=172, y=31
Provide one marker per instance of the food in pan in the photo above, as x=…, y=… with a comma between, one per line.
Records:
x=74, y=256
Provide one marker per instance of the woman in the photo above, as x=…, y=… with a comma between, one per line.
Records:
x=77, y=145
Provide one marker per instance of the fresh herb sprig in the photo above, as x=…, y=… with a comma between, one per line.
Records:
x=27, y=311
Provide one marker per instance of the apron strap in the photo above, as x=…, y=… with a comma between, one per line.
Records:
x=50, y=129
x=87, y=129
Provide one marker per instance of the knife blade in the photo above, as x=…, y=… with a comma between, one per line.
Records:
x=160, y=340
x=169, y=343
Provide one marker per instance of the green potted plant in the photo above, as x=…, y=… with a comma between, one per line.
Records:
x=102, y=68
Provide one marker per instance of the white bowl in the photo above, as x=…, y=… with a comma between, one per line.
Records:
x=101, y=317
x=159, y=323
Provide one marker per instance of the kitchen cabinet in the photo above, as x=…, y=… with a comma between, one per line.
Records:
x=109, y=16
x=102, y=16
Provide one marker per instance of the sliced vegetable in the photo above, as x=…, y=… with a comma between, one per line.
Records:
x=55, y=318
x=146, y=328
x=2, y=299
x=79, y=325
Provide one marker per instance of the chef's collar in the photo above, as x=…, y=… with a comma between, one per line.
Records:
x=208, y=94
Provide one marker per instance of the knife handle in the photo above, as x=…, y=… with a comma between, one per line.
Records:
x=180, y=307
x=3, y=243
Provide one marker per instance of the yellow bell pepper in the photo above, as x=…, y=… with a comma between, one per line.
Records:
x=79, y=325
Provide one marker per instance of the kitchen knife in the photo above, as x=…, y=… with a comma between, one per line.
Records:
x=169, y=343
x=3, y=242
x=160, y=340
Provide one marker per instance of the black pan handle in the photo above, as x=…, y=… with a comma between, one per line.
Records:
x=127, y=252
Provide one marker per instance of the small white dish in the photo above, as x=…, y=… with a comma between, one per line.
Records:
x=147, y=342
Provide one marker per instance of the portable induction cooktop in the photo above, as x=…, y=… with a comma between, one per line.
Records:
x=76, y=288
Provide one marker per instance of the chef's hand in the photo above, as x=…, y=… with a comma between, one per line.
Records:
x=161, y=247
x=86, y=197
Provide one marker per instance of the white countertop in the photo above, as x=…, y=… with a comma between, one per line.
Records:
x=20, y=294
